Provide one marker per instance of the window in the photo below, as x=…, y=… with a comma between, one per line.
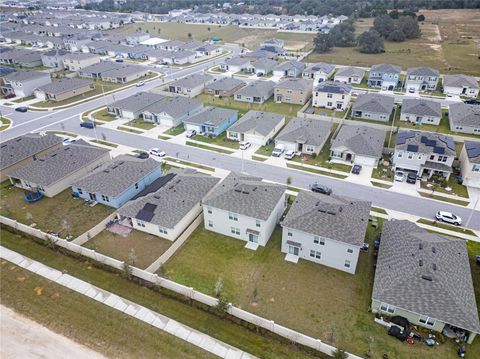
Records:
x=105, y=198
x=347, y=264
x=400, y=155
x=329, y=104
x=432, y=157
x=209, y=210
x=316, y=240
x=234, y=230
x=426, y=320
x=387, y=308
x=136, y=185
x=79, y=190
x=257, y=223
x=289, y=233
x=162, y=230
x=476, y=168
x=210, y=224
x=322, y=241
x=329, y=95
x=349, y=250
x=410, y=155
x=140, y=223
x=315, y=254
x=233, y=216
x=442, y=158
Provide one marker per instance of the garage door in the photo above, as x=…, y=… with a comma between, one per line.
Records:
x=366, y=161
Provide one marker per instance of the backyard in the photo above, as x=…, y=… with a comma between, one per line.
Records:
x=140, y=249
x=77, y=217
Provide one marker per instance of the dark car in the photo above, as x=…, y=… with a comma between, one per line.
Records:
x=142, y=155
x=411, y=177
x=119, y=60
x=472, y=102
x=321, y=189
x=356, y=169
x=477, y=258
x=87, y=124
x=10, y=95
x=21, y=109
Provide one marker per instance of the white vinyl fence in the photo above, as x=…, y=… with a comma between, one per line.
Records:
x=188, y=292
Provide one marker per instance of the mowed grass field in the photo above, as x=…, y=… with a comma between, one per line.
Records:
x=449, y=42
x=251, y=38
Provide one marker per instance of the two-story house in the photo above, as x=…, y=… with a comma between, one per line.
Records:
x=470, y=164
x=424, y=153
x=421, y=79
x=294, y=91
x=385, y=76
x=332, y=95
x=328, y=230
x=319, y=72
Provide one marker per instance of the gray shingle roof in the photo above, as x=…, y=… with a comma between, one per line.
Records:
x=64, y=85
x=361, y=140
x=407, y=253
x=257, y=122
x=339, y=218
x=257, y=89
x=425, y=142
x=350, y=71
x=459, y=81
x=26, y=75
x=19, y=148
x=125, y=70
x=138, y=101
x=463, y=114
x=264, y=63
x=333, y=87
x=192, y=81
x=237, y=61
x=100, y=67
x=176, y=106
x=473, y=151
x=246, y=195
x=212, y=116
x=295, y=84
x=225, y=84
x=174, y=200
x=386, y=68
x=290, y=65
x=422, y=71
x=422, y=107
x=374, y=103
x=321, y=66
x=306, y=131
x=116, y=176
x=76, y=56
x=64, y=161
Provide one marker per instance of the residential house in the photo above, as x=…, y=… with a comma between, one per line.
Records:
x=181, y=57
x=168, y=210
x=332, y=95
x=57, y=170
x=224, y=87
x=263, y=66
x=75, y=43
x=124, y=74
x=53, y=59
x=464, y=118
x=20, y=57
x=373, y=107
x=192, y=85
x=273, y=45
x=421, y=79
x=460, y=85
x=117, y=181
x=245, y=208
x=24, y=83
x=133, y=106
x=137, y=37
x=424, y=153
x=304, y=135
x=355, y=144
x=256, y=127
x=328, y=230
x=319, y=72
x=235, y=64
x=22, y=150
x=289, y=69
x=350, y=75
x=64, y=89
x=255, y=92
x=421, y=111
x=425, y=277
x=96, y=70
x=212, y=121
x=385, y=76
x=172, y=111
x=79, y=61
x=470, y=164
x=261, y=54
x=294, y=91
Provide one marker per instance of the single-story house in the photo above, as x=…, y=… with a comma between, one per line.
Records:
x=172, y=111
x=125, y=73
x=63, y=89
x=132, y=107
x=470, y=164
x=255, y=92
x=117, y=181
x=212, y=121
x=319, y=72
x=289, y=69
x=303, y=135
x=96, y=70
x=246, y=208
x=362, y=145
x=256, y=127
x=373, y=107
x=263, y=65
x=24, y=83
x=57, y=170
x=224, y=87
x=53, y=58
x=78, y=61
x=460, y=85
x=235, y=64
x=294, y=91
x=328, y=230
x=350, y=75
x=22, y=150
x=192, y=85
x=464, y=118
x=332, y=95
x=421, y=111
x=426, y=278
x=167, y=211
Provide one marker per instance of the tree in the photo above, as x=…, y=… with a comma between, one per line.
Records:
x=383, y=24
x=343, y=35
x=409, y=26
x=289, y=180
x=396, y=35
x=323, y=43
x=339, y=354
x=208, y=28
x=421, y=18
x=394, y=14
x=370, y=42
x=189, y=35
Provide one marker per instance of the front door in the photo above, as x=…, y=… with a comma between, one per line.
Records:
x=252, y=238
x=293, y=250
x=418, y=120
x=93, y=196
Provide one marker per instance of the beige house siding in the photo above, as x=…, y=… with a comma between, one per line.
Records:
x=295, y=97
x=71, y=93
x=223, y=93
x=76, y=65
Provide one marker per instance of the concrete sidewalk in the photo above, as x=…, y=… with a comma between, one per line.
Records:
x=125, y=306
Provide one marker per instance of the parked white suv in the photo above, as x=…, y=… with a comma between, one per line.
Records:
x=157, y=152
x=448, y=218
x=399, y=176
x=278, y=150
x=244, y=145
x=289, y=155
x=191, y=133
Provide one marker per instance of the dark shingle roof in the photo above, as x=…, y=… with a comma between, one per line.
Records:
x=422, y=71
x=333, y=87
x=225, y=84
x=462, y=114
x=362, y=140
x=422, y=107
x=374, y=103
x=306, y=131
x=425, y=142
x=257, y=122
x=212, y=116
x=64, y=85
x=473, y=151
x=295, y=84
x=257, y=89
x=459, y=81
x=386, y=68
x=426, y=273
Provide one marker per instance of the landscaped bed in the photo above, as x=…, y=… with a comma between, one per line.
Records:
x=61, y=214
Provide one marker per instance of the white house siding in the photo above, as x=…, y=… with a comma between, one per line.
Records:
x=333, y=253
x=321, y=99
x=424, y=120
x=382, y=117
x=26, y=88
x=471, y=178
x=221, y=223
x=465, y=91
x=365, y=161
x=348, y=79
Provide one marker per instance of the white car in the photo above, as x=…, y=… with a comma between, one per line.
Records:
x=244, y=145
x=289, y=155
x=191, y=133
x=140, y=83
x=157, y=152
x=68, y=141
x=399, y=176
x=448, y=218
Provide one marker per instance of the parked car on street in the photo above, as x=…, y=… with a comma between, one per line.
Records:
x=87, y=124
x=21, y=109
x=448, y=218
x=411, y=177
x=119, y=60
x=399, y=176
x=356, y=169
x=140, y=83
x=320, y=188
x=142, y=155
x=157, y=152
x=68, y=141
x=244, y=145
x=191, y=133
x=259, y=74
x=472, y=102
x=289, y=155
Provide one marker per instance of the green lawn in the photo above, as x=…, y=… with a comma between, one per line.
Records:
x=456, y=187
x=313, y=170
x=162, y=137
x=258, y=158
x=61, y=214
x=444, y=199
x=383, y=172
x=100, y=115
x=378, y=210
x=87, y=321
x=266, y=150
x=105, y=143
x=446, y=226
x=175, y=131
x=206, y=147
x=19, y=100
x=328, y=112
x=220, y=140
x=126, y=129
x=161, y=301
x=243, y=107
x=5, y=123
x=140, y=124
x=138, y=248
x=190, y=164
x=381, y=185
